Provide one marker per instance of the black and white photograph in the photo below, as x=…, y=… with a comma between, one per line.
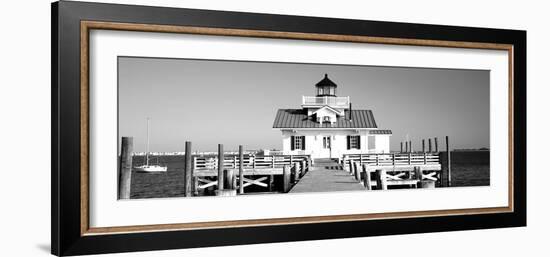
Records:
x=199, y=128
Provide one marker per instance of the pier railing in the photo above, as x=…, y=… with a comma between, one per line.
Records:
x=392, y=159
x=250, y=162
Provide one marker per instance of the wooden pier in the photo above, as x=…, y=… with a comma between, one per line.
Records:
x=229, y=175
x=249, y=170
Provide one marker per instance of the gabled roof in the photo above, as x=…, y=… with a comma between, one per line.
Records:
x=297, y=118
x=329, y=108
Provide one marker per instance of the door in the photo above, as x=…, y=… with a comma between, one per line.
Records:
x=326, y=147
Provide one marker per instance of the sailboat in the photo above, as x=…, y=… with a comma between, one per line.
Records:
x=147, y=168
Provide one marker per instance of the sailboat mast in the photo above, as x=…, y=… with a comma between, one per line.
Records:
x=147, y=149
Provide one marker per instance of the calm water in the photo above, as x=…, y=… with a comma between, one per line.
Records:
x=468, y=169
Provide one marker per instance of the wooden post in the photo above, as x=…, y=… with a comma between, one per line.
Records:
x=381, y=180
x=401, y=147
x=418, y=176
x=303, y=167
x=429, y=145
x=296, y=172
x=228, y=179
x=406, y=147
x=253, y=158
x=418, y=172
x=241, y=170
x=350, y=166
x=357, y=169
x=410, y=159
x=447, y=148
x=220, y=166
x=410, y=146
x=270, y=183
x=195, y=186
x=286, y=178
x=273, y=161
x=366, y=178
x=425, y=159
x=188, y=178
x=344, y=162
x=125, y=169
x=423, y=145
x=377, y=160
x=228, y=188
x=435, y=142
x=309, y=163
x=393, y=159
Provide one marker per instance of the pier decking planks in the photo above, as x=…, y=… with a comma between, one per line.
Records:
x=326, y=177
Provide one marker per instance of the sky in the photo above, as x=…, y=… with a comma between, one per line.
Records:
x=234, y=103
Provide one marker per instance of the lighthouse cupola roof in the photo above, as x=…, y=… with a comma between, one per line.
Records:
x=326, y=87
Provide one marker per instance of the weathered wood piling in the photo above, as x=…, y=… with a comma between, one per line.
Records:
x=188, y=176
x=366, y=178
x=381, y=180
x=125, y=169
x=241, y=170
x=286, y=179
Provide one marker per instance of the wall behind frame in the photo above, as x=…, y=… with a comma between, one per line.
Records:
x=25, y=110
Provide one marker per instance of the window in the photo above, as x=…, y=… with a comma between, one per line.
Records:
x=326, y=118
x=354, y=142
x=297, y=143
x=372, y=144
x=326, y=142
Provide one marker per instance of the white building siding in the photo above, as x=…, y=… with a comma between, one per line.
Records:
x=314, y=143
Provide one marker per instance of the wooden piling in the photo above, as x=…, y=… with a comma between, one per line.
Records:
x=228, y=176
x=270, y=183
x=436, y=144
x=410, y=146
x=241, y=170
x=188, y=176
x=429, y=145
x=401, y=147
x=447, y=148
x=286, y=179
x=357, y=169
x=406, y=147
x=366, y=178
x=423, y=145
x=220, y=166
x=296, y=172
x=125, y=169
x=381, y=180
x=418, y=172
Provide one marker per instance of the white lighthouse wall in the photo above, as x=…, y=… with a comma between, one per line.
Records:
x=382, y=143
x=314, y=143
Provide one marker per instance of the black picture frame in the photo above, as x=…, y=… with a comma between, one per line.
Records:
x=66, y=234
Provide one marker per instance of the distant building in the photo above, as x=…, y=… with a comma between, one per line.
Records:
x=327, y=127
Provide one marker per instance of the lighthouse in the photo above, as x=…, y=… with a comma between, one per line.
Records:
x=326, y=126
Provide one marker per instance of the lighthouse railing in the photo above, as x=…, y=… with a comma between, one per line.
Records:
x=326, y=100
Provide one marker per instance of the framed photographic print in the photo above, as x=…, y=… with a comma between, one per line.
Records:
x=178, y=128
